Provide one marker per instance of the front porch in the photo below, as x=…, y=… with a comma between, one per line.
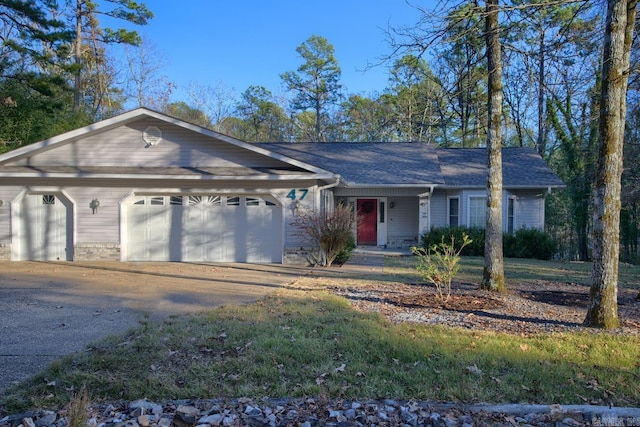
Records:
x=387, y=220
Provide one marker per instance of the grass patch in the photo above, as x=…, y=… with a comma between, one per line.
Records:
x=307, y=342
x=298, y=343
x=519, y=270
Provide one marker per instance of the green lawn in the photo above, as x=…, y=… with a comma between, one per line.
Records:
x=304, y=341
x=517, y=270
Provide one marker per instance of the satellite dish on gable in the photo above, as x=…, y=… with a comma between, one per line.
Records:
x=152, y=135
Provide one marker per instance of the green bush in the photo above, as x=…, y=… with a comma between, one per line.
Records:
x=529, y=243
x=524, y=243
x=345, y=253
x=440, y=263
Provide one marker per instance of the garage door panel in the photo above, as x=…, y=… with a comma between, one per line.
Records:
x=207, y=229
x=234, y=233
x=157, y=253
x=43, y=231
x=177, y=232
x=213, y=227
x=192, y=237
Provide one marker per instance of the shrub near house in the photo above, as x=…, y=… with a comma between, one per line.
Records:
x=524, y=243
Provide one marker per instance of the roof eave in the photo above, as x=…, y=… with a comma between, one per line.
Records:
x=264, y=177
x=506, y=187
x=360, y=185
x=535, y=187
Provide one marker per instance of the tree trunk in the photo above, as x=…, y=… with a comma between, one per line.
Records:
x=603, y=303
x=318, y=123
x=541, y=71
x=78, y=58
x=493, y=277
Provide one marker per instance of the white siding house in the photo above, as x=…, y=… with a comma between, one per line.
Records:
x=147, y=187
x=419, y=187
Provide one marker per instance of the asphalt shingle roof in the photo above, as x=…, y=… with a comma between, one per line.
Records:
x=419, y=164
x=521, y=167
x=368, y=163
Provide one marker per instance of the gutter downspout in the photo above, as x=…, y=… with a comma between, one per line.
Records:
x=430, y=193
x=321, y=189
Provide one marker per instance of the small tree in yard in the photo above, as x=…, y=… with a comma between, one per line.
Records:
x=440, y=263
x=329, y=231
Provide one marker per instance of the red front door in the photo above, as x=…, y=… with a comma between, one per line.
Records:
x=367, y=221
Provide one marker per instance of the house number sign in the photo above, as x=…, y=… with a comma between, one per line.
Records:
x=298, y=194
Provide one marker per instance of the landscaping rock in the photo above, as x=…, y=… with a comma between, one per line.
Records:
x=336, y=413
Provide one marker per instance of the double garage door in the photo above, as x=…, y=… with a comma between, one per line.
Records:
x=204, y=228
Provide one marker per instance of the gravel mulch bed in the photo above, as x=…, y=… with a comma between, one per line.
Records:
x=322, y=413
x=526, y=308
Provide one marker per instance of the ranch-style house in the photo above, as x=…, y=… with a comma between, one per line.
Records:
x=144, y=186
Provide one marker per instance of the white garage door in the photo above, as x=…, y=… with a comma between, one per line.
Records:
x=42, y=230
x=204, y=228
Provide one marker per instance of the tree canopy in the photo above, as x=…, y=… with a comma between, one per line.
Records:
x=316, y=82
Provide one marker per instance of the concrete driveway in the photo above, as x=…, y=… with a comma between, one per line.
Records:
x=49, y=310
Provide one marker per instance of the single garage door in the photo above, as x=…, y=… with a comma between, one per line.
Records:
x=204, y=228
x=42, y=228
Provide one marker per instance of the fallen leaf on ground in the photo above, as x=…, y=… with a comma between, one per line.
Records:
x=474, y=369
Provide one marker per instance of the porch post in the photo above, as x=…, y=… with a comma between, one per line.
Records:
x=423, y=223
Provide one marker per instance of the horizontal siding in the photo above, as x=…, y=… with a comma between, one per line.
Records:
x=5, y=224
x=529, y=210
x=124, y=146
x=7, y=195
x=293, y=237
x=104, y=225
x=403, y=218
x=438, y=209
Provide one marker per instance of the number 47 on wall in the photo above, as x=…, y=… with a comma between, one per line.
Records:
x=293, y=195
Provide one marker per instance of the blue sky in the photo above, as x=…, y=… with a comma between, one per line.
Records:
x=251, y=42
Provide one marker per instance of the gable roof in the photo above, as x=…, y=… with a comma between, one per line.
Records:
x=19, y=162
x=419, y=164
x=521, y=168
x=369, y=164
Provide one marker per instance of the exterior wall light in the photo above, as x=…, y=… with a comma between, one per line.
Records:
x=295, y=208
x=94, y=205
x=392, y=205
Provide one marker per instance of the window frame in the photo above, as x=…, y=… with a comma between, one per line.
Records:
x=449, y=215
x=157, y=201
x=471, y=210
x=48, y=199
x=511, y=214
x=252, y=201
